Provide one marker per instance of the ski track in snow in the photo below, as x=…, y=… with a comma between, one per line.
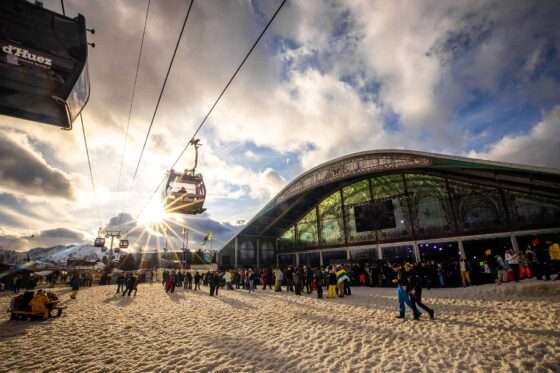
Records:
x=513, y=328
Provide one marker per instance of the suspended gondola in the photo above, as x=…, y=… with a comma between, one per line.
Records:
x=123, y=244
x=99, y=242
x=185, y=193
x=43, y=64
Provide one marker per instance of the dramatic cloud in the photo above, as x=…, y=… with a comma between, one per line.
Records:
x=62, y=233
x=122, y=218
x=329, y=78
x=540, y=146
x=46, y=238
x=23, y=170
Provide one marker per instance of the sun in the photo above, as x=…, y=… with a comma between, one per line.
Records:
x=154, y=214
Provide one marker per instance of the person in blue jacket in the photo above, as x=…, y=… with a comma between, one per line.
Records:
x=402, y=280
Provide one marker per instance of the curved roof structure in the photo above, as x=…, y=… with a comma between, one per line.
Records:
x=312, y=186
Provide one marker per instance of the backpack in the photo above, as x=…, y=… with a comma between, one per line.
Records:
x=501, y=263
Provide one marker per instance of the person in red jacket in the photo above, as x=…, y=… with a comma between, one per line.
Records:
x=264, y=279
x=362, y=278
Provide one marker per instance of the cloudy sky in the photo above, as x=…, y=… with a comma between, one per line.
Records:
x=475, y=78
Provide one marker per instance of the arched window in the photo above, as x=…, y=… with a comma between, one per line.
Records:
x=247, y=252
x=307, y=229
x=267, y=253
x=330, y=219
x=478, y=208
x=431, y=210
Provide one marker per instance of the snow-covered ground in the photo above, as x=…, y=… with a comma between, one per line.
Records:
x=513, y=328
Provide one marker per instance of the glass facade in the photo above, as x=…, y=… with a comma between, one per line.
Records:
x=306, y=230
x=356, y=194
x=423, y=206
x=331, y=223
x=364, y=255
x=392, y=187
x=267, y=253
x=531, y=210
x=312, y=260
x=247, y=252
x=287, y=241
x=371, y=205
x=398, y=254
x=431, y=208
x=478, y=208
x=439, y=251
x=285, y=260
x=334, y=257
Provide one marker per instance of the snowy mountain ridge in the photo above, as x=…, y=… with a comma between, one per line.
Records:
x=57, y=254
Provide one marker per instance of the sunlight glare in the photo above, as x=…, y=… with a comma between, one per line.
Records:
x=153, y=215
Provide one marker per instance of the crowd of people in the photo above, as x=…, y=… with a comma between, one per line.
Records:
x=176, y=279
x=296, y=279
x=334, y=279
x=540, y=259
x=127, y=284
x=18, y=283
x=380, y=273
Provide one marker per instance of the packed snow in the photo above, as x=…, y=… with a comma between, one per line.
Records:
x=514, y=327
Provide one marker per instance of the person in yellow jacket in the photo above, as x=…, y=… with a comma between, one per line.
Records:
x=554, y=253
x=341, y=276
x=39, y=304
x=331, y=281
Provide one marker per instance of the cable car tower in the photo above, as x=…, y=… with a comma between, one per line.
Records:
x=185, y=193
x=100, y=242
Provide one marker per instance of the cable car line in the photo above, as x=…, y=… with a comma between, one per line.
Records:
x=88, y=157
x=91, y=177
x=162, y=90
x=84, y=133
x=133, y=95
x=204, y=120
x=90, y=167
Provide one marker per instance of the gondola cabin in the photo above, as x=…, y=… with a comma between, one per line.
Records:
x=99, y=242
x=123, y=244
x=43, y=64
x=184, y=193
